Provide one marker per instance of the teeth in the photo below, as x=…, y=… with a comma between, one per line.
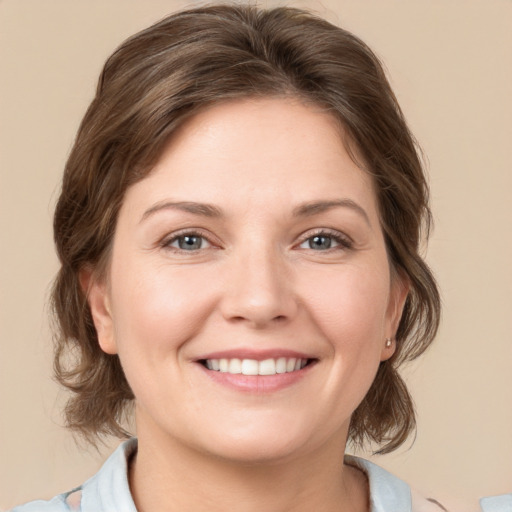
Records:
x=250, y=367
x=269, y=367
x=235, y=366
x=254, y=367
x=280, y=365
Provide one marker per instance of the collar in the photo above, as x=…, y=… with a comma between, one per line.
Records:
x=109, y=489
x=497, y=503
x=387, y=492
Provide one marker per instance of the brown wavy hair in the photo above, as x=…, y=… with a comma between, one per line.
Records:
x=150, y=86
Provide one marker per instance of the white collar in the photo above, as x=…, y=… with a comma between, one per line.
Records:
x=387, y=492
x=109, y=490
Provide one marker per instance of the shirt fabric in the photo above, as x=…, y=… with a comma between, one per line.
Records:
x=501, y=503
x=109, y=491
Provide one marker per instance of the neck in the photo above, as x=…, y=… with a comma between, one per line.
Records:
x=167, y=476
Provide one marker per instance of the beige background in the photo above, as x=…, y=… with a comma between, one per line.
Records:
x=450, y=65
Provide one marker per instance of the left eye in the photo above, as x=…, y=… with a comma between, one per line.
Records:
x=322, y=242
x=189, y=242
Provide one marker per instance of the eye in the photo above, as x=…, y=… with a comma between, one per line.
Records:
x=323, y=241
x=188, y=242
x=319, y=242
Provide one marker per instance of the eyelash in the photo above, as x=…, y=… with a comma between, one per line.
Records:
x=343, y=241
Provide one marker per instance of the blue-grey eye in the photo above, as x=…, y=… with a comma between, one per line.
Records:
x=320, y=242
x=323, y=241
x=189, y=242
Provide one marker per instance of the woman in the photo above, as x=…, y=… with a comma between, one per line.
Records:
x=238, y=231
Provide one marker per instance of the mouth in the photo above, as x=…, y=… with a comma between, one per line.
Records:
x=265, y=367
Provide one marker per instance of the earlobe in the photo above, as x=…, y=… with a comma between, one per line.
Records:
x=399, y=291
x=96, y=291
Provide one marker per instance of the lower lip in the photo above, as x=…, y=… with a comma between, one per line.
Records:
x=257, y=384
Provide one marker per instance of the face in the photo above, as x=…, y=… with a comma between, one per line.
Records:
x=249, y=293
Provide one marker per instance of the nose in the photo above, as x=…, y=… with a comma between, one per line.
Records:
x=259, y=290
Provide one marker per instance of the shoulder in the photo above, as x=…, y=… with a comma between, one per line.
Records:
x=56, y=504
x=388, y=492
x=106, y=491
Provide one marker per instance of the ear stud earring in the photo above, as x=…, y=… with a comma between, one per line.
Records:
x=389, y=341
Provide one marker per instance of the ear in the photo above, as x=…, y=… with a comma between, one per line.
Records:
x=400, y=286
x=96, y=292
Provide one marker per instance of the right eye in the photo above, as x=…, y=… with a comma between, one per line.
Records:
x=326, y=240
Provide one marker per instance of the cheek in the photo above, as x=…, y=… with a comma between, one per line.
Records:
x=349, y=304
x=157, y=309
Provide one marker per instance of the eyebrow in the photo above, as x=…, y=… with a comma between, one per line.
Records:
x=203, y=209
x=209, y=210
x=317, y=207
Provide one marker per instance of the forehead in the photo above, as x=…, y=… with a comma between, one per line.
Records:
x=261, y=151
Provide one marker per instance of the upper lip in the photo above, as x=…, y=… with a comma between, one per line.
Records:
x=258, y=355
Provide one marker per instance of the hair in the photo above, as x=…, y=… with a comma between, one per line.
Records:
x=151, y=85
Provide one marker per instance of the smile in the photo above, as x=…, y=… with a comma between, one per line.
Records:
x=271, y=366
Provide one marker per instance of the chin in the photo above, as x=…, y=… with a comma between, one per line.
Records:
x=247, y=452
x=258, y=444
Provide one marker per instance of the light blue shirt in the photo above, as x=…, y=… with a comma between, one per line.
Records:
x=501, y=503
x=109, y=491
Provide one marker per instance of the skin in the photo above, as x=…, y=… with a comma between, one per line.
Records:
x=259, y=281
